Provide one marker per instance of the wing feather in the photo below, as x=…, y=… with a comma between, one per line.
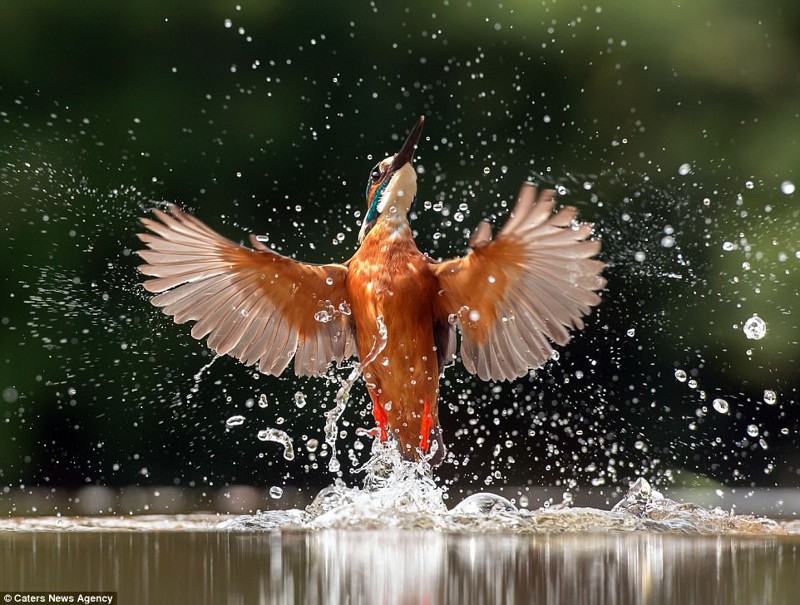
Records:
x=513, y=296
x=255, y=305
x=254, y=340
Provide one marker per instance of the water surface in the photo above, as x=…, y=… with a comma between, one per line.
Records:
x=201, y=564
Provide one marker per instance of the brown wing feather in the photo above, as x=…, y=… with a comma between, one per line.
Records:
x=512, y=296
x=255, y=305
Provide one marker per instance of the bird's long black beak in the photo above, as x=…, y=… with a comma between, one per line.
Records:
x=406, y=153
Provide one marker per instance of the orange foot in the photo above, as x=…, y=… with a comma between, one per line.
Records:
x=425, y=429
x=380, y=416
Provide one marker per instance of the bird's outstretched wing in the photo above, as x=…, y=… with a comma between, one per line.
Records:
x=531, y=285
x=255, y=305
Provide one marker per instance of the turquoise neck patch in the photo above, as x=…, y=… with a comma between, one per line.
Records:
x=372, y=213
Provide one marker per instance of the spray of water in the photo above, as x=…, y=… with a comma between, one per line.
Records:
x=343, y=394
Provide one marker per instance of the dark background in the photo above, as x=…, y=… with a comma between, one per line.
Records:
x=672, y=126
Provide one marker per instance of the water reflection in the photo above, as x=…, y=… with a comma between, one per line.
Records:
x=404, y=567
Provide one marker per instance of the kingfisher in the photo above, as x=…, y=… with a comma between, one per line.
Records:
x=512, y=297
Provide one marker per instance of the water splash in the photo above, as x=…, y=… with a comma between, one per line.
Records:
x=484, y=504
x=343, y=394
x=402, y=494
x=642, y=510
x=198, y=377
x=395, y=491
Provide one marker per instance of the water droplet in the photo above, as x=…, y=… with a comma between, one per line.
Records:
x=631, y=332
x=323, y=317
x=728, y=246
x=344, y=308
x=770, y=398
x=275, y=492
x=10, y=395
x=262, y=401
x=684, y=169
x=755, y=328
x=312, y=445
x=639, y=256
x=329, y=281
x=787, y=187
x=680, y=375
x=278, y=436
x=234, y=421
x=752, y=430
x=300, y=399
x=721, y=406
x=474, y=315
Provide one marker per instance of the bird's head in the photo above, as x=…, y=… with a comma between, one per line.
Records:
x=392, y=183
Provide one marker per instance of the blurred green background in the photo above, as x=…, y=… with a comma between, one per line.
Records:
x=673, y=126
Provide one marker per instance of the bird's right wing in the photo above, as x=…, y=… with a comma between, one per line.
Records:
x=512, y=296
x=255, y=305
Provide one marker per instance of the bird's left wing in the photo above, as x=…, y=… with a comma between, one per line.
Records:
x=255, y=305
x=512, y=296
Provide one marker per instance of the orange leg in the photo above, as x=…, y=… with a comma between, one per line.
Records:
x=427, y=425
x=380, y=415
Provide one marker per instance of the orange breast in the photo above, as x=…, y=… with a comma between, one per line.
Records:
x=389, y=278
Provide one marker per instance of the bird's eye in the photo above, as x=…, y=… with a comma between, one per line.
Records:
x=376, y=174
